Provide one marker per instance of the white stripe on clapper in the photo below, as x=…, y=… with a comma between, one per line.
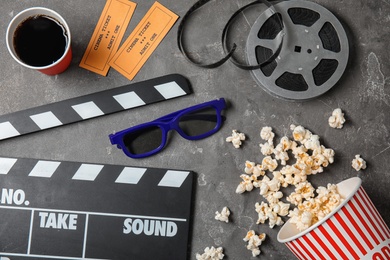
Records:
x=170, y=90
x=7, y=130
x=130, y=175
x=6, y=164
x=30, y=231
x=87, y=172
x=44, y=169
x=85, y=234
x=46, y=120
x=88, y=110
x=173, y=179
x=129, y=100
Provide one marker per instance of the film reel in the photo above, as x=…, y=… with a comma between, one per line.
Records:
x=313, y=56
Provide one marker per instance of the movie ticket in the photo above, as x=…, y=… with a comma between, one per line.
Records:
x=145, y=38
x=107, y=35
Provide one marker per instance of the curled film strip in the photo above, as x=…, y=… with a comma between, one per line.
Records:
x=228, y=51
x=296, y=49
x=93, y=105
x=314, y=54
x=73, y=210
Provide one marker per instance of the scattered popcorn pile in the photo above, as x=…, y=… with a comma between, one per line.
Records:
x=358, y=163
x=336, y=120
x=311, y=205
x=223, y=216
x=211, y=253
x=310, y=158
x=236, y=138
x=254, y=242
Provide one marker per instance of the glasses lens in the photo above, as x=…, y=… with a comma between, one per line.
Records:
x=144, y=140
x=199, y=122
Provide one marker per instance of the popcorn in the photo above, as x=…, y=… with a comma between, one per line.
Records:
x=281, y=154
x=267, y=213
x=294, y=174
x=302, y=220
x=278, y=175
x=274, y=185
x=299, y=133
x=254, y=242
x=273, y=197
x=211, y=254
x=262, y=210
x=267, y=134
x=313, y=142
x=236, y=138
x=310, y=158
x=258, y=170
x=266, y=149
x=328, y=153
x=336, y=120
x=269, y=189
x=313, y=209
x=274, y=219
x=299, y=150
x=358, y=163
x=269, y=163
x=324, y=192
x=246, y=184
x=281, y=208
x=303, y=190
x=311, y=205
x=287, y=143
x=249, y=167
x=224, y=215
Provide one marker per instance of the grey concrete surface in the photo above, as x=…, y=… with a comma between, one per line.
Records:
x=363, y=94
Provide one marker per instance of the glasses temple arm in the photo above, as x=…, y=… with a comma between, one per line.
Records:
x=202, y=117
x=169, y=116
x=220, y=103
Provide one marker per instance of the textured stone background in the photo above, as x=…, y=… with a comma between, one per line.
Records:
x=363, y=94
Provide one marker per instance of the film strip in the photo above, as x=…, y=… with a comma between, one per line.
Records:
x=71, y=210
x=93, y=105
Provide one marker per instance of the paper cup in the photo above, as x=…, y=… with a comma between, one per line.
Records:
x=56, y=67
x=354, y=230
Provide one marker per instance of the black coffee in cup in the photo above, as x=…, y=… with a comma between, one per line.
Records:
x=40, y=40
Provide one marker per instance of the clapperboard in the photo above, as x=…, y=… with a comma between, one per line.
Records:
x=70, y=210
x=93, y=105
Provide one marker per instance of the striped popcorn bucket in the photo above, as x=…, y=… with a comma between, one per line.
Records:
x=354, y=230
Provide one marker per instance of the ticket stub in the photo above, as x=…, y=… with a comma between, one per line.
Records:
x=107, y=35
x=145, y=38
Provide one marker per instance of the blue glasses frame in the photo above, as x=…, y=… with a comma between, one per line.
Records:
x=168, y=123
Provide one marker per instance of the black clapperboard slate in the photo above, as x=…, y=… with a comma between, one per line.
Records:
x=71, y=210
x=93, y=105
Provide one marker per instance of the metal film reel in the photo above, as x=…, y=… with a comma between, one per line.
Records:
x=314, y=51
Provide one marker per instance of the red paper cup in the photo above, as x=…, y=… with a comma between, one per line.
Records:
x=54, y=67
x=354, y=230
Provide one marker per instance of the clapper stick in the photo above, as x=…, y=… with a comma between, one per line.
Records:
x=93, y=105
x=72, y=210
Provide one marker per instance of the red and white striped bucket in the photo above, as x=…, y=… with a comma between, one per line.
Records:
x=354, y=230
